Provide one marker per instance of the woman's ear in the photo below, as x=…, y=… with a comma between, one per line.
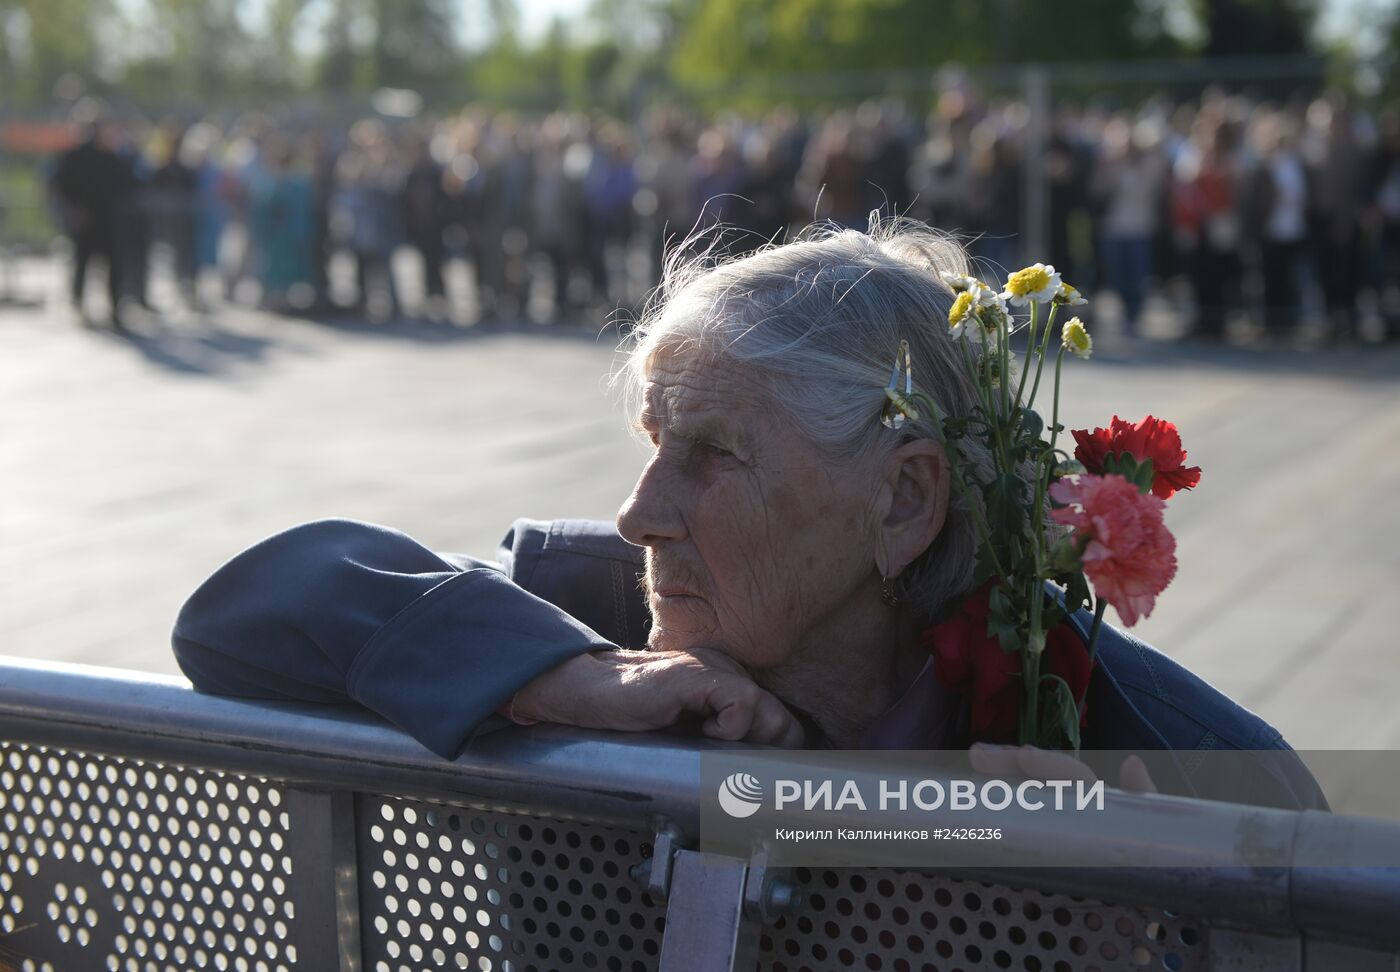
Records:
x=916, y=486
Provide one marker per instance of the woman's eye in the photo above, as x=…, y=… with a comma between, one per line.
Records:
x=718, y=452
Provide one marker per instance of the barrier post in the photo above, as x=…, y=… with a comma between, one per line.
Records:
x=324, y=882
x=706, y=927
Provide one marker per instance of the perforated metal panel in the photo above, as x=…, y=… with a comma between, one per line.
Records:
x=908, y=922
x=446, y=887
x=135, y=866
x=110, y=863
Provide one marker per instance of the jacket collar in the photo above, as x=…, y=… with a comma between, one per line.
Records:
x=1116, y=723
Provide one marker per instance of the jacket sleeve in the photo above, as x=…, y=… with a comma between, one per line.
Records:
x=339, y=611
x=584, y=568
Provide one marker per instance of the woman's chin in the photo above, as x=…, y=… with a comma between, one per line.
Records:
x=681, y=627
x=680, y=637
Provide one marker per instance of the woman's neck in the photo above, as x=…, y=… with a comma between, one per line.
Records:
x=849, y=672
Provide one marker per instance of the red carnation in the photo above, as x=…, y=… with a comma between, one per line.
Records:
x=971, y=661
x=1152, y=438
x=1129, y=554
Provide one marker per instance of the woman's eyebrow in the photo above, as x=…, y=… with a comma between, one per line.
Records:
x=689, y=426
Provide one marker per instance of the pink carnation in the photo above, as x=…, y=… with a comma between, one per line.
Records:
x=1131, y=555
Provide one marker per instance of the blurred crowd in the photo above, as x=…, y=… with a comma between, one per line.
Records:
x=1227, y=211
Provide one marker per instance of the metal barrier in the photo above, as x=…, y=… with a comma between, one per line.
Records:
x=145, y=827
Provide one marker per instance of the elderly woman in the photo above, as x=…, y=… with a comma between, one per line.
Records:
x=768, y=580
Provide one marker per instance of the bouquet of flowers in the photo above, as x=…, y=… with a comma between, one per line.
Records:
x=1057, y=532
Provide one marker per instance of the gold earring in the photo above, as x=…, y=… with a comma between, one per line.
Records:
x=887, y=595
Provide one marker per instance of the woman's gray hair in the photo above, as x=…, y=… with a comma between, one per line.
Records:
x=820, y=320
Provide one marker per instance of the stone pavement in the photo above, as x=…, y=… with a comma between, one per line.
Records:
x=131, y=467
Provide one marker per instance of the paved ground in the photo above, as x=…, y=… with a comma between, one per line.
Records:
x=132, y=466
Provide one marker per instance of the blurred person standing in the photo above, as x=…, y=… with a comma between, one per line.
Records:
x=1066, y=167
x=1130, y=180
x=1277, y=208
x=1385, y=218
x=134, y=219
x=555, y=212
x=511, y=170
x=833, y=176
x=280, y=226
x=1337, y=167
x=608, y=189
x=995, y=194
x=322, y=153
x=472, y=180
x=92, y=184
x=1207, y=219
x=215, y=194
x=887, y=143
x=663, y=173
x=423, y=200
x=364, y=216
x=172, y=210
x=766, y=189
x=940, y=168
x=716, y=176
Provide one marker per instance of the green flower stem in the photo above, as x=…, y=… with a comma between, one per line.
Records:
x=1004, y=351
x=1030, y=347
x=983, y=397
x=1100, y=605
x=979, y=521
x=1035, y=637
x=1055, y=417
x=1030, y=690
x=1040, y=358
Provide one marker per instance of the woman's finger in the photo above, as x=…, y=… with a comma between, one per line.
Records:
x=1133, y=776
x=1029, y=762
x=1048, y=764
x=731, y=701
x=993, y=760
x=774, y=725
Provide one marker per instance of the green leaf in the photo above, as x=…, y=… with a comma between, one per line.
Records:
x=984, y=569
x=1077, y=592
x=1059, y=715
x=1072, y=467
x=1006, y=510
x=1003, y=620
x=1064, y=555
x=1031, y=424
x=1125, y=464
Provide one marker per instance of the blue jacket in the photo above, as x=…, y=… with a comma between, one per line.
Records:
x=337, y=611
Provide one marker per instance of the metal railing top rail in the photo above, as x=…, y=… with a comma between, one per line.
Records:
x=631, y=780
x=649, y=781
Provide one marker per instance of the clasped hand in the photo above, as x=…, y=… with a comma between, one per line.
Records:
x=636, y=691
x=1033, y=763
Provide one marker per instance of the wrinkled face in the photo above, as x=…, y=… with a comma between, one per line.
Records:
x=754, y=540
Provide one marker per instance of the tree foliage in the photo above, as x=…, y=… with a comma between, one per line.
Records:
x=165, y=51
x=1257, y=27
x=724, y=40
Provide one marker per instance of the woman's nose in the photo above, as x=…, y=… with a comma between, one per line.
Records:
x=650, y=515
